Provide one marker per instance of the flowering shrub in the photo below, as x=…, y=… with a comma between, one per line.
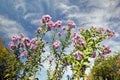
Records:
x=85, y=44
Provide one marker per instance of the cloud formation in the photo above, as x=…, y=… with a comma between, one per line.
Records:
x=9, y=27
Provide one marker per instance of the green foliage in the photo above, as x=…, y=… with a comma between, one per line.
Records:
x=9, y=65
x=106, y=69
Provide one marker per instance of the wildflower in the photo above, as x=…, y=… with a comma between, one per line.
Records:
x=58, y=24
x=33, y=40
x=14, y=38
x=101, y=30
x=59, y=34
x=12, y=45
x=26, y=39
x=32, y=46
x=46, y=18
x=110, y=33
x=21, y=45
x=50, y=24
x=71, y=24
x=51, y=59
x=38, y=30
x=106, y=50
x=63, y=28
x=24, y=53
x=78, y=41
x=78, y=55
x=93, y=54
x=56, y=44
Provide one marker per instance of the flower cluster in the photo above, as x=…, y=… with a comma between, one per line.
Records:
x=111, y=34
x=46, y=19
x=56, y=44
x=71, y=24
x=23, y=43
x=78, y=40
x=106, y=50
x=78, y=55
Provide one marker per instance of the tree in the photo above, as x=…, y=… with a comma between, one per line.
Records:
x=107, y=68
x=9, y=65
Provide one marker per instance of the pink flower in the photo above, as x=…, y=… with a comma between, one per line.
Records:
x=12, y=45
x=14, y=38
x=56, y=44
x=78, y=55
x=33, y=40
x=46, y=18
x=101, y=30
x=106, y=50
x=78, y=40
x=26, y=39
x=71, y=24
x=38, y=30
x=24, y=53
x=59, y=34
x=93, y=54
x=63, y=28
x=28, y=44
x=32, y=47
x=58, y=24
x=110, y=33
x=21, y=45
x=50, y=24
x=51, y=59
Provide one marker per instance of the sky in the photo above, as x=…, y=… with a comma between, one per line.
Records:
x=23, y=16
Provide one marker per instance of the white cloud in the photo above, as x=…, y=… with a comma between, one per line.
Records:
x=10, y=27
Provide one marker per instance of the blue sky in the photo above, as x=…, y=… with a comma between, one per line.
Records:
x=23, y=16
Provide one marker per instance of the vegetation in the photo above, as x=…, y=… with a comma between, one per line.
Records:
x=27, y=56
x=9, y=65
x=107, y=69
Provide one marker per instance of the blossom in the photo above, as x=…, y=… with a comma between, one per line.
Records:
x=58, y=24
x=32, y=46
x=26, y=39
x=78, y=55
x=12, y=45
x=56, y=44
x=110, y=33
x=63, y=28
x=93, y=54
x=50, y=24
x=106, y=50
x=21, y=45
x=71, y=23
x=34, y=40
x=59, y=34
x=51, y=59
x=101, y=30
x=24, y=53
x=78, y=40
x=38, y=30
x=46, y=18
x=14, y=38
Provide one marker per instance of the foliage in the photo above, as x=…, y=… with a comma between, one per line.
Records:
x=85, y=44
x=107, y=69
x=9, y=65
